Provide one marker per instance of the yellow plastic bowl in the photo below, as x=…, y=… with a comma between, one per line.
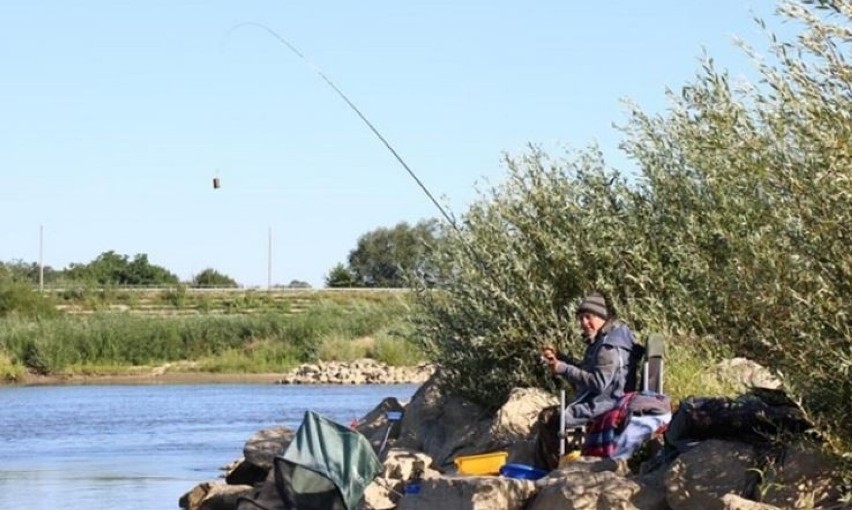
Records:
x=482, y=464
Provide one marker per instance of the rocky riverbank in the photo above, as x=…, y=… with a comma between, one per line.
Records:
x=362, y=371
x=716, y=470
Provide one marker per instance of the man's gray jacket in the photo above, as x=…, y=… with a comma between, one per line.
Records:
x=601, y=377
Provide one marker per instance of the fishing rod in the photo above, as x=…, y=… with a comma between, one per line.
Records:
x=354, y=108
x=484, y=267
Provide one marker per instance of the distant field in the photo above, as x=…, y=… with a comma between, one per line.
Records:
x=195, y=301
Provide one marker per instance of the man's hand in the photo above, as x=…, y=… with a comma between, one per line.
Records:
x=548, y=355
x=555, y=361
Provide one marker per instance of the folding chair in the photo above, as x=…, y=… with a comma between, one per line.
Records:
x=652, y=380
x=652, y=368
x=393, y=418
x=575, y=435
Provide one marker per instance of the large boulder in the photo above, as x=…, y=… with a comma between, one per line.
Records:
x=224, y=497
x=469, y=493
x=514, y=424
x=445, y=427
x=596, y=483
x=515, y=420
x=700, y=477
x=440, y=425
x=801, y=476
x=578, y=490
x=262, y=447
x=259, y=452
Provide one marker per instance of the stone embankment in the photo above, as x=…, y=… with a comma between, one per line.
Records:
x=362, y=371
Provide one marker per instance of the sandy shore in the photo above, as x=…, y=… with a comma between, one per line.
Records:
x=164, y=378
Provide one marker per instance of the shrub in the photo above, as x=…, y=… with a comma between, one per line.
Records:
x=395, y=351
x=9, y=370
x=23, y=300
x=736, y=229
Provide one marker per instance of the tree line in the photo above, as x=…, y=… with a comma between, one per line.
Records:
x=108, y=269
x=386, y=257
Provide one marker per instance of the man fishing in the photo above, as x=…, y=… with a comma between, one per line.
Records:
x=601, y=378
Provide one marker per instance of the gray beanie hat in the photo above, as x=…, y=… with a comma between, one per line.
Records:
x=596, y=304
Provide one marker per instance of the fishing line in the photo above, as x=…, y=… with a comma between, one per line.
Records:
x=354, y=108
x=484, y=266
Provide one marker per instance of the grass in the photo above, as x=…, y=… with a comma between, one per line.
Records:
x=256, y=358
x=268, y=339
x=9, y=370
x=689, y=370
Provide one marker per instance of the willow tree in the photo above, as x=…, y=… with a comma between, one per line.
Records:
x=521, y=257
x=736, y=227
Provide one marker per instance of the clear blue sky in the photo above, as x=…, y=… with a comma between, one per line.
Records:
x=116, y=115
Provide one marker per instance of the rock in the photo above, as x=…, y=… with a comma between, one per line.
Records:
x=446, y=427
x=264, y=445
x=590, y=465
x=584, y=489
x=213, y=496
x=514, y=422
x=652, y=492
x=383, y=494
x=716, y=469
x=400, y=463
x=734, y=502
x=259, y=451
x=591, y=482
x=469, y=493
x=700, y=477
x=224, y=497
x=516, y=417
x=744, y=374
x=385, y=491
x=245, y=473
x=192, y=499
x=438, y=425
x=803, y=478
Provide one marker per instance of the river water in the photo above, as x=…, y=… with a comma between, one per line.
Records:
x=143, y=446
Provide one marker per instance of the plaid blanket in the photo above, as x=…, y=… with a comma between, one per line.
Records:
x=602, y=432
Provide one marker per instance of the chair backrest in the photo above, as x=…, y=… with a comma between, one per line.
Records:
x=652, y=370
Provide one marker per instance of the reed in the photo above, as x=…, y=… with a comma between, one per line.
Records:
x=220, y=342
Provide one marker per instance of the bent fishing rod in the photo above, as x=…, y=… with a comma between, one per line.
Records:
x=476, y=255
x=354, y=108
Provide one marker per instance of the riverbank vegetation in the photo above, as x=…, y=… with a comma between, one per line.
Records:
x=107, y=333
x=731, y=237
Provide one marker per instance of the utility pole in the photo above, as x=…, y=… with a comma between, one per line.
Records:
x=41, y=258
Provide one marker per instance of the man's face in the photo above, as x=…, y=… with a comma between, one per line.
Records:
x=590, y=324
